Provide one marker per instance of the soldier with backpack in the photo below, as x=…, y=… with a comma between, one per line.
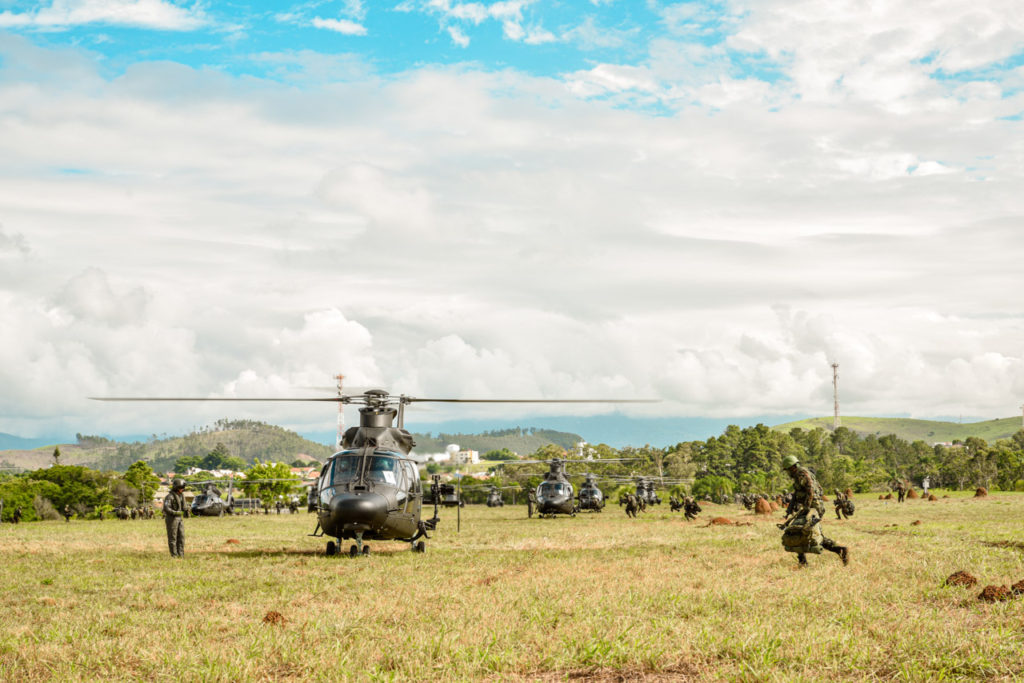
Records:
x=802, y=533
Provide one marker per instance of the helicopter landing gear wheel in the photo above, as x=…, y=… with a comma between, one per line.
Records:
x=366, y=551
x=572, y=514
x=332, y=549
x=420, y=547
x=353, y=551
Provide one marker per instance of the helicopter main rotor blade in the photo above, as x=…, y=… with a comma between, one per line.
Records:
x=410, y=399
x=333, y=399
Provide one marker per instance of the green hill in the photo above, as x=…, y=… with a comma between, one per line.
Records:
x=929, y=431
x=249, y=440
x=517, y=440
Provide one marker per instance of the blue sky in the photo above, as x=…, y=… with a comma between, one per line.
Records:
x=706, y=203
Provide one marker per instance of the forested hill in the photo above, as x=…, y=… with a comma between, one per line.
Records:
x=244, y=439
x=518, y=440
x=929, y=431
x=248, y=440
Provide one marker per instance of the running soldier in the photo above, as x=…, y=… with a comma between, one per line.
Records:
x=807, y=497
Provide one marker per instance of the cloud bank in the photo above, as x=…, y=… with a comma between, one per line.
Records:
x=670, y=227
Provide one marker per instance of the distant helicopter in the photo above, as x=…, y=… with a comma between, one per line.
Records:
x=209, y=503
x=645, y=491
x=555, y=495
x=371, y=489
x=590, y=496
x=494, y=498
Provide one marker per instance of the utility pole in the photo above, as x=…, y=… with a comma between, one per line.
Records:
x=341, y=413
x=835, y=395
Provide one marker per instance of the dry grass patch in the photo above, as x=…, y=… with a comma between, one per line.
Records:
x=598, y=597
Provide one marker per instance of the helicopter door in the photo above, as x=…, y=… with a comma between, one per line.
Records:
x=412, y=482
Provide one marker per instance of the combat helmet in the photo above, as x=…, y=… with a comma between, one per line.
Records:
x=789, y=461
x=177, y=484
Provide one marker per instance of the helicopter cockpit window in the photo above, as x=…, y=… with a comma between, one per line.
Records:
x=346, y=469
x=553, y=488
x=386, y=469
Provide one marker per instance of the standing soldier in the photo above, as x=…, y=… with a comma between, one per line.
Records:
x=901, y=490
x=531, y=500
x=17, y=515
x=174, y=514
x=277, y=505
x=807, y=496
x=67, y=513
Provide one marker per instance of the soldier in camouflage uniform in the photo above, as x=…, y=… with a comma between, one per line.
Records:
x=531, y=500
x=632, y=505
x=691, y=508
x=901, y=490
x=844, y=506
x=174, y=513
x=807, y=496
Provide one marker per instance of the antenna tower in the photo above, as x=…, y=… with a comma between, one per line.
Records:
x=835, y=395
x=341, y=413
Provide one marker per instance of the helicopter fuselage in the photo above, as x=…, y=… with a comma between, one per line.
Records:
x=209, y=505
x=369, y=493
x=591, y=497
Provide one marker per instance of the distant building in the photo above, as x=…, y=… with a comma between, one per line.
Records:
x=305, y=472
x=465, y=457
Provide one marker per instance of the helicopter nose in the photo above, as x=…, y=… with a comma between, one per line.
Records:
x=359, y=509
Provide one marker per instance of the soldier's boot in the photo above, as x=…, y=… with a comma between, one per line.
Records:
x=801, y=560
x=841, y=550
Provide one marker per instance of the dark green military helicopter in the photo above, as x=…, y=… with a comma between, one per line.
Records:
x=494, y=498
x=208, y=503
x=590, y=496
x=555, y=495
x=371, y=489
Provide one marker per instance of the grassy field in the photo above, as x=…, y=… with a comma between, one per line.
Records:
x=929, y=431
x=598, y=597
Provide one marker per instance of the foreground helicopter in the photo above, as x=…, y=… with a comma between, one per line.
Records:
x=371, y=489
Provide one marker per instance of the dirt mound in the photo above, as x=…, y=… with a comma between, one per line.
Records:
x=981, y=492
x=932, y=497
x=826, y=499
x=888, y=496
x=273, y=617
x=945, y=496
x=912, y=494
x=916, y=522
x=1018, y=588
x=762, y=507
x=995, y=594
x=961, y=578
x=720, y=521
x=774, y=506
x=232, y=541
x=848, y=493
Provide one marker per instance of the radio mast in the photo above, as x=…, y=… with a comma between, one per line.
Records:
x=835, y=395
